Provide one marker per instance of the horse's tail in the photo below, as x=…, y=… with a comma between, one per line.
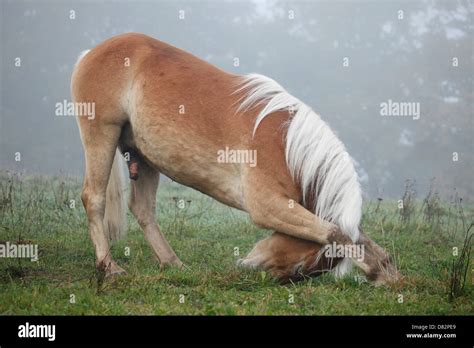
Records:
x=316, y=158
x=115, y=222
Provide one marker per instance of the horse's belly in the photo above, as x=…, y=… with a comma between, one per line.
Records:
x=190, y=159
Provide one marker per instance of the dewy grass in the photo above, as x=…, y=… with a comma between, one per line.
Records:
x=209, y=237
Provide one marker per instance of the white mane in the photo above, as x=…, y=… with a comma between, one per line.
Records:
x=316, y=158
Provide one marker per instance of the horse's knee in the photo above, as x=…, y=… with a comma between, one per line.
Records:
x=94, y=203
x=85, y=198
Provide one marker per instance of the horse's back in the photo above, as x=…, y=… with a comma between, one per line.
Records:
x=144, y=77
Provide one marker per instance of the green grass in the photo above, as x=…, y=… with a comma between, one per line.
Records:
x=205, y=234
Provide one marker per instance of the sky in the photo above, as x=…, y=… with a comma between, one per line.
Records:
x=393, y=79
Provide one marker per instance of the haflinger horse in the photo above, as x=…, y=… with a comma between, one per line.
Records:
x=167, y=111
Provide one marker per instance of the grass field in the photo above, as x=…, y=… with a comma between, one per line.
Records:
x=207, y=235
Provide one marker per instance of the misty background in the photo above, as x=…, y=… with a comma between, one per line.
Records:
x=404, y=51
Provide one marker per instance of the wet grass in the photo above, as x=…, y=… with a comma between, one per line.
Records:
x=209, y=237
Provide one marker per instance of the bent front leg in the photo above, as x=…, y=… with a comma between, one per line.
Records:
x=275, y=211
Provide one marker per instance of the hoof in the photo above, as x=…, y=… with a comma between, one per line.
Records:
x=114, y=270
x=172, y=263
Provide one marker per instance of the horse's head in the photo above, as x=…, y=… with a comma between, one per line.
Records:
x=288, y=258
x=377, y=263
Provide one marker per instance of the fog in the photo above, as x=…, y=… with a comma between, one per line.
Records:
x=351, y=61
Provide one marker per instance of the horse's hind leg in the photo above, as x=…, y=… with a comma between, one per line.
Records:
x=142, y=203
x=100, y=144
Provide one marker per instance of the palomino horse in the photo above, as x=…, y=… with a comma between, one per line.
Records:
x=169, y=112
